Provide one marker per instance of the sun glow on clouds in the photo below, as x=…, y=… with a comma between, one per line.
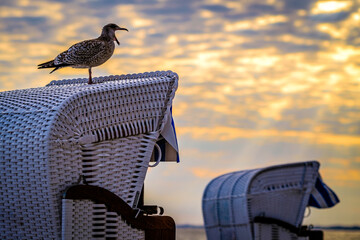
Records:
x=256, y=23
x=209, y=173
x=223, y=133
x=265, y=73
x=342, y=176
x=51, y=10
x=331, y=6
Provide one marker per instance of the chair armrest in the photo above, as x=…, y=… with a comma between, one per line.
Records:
x=303, y=231
x=267, y=220
x=154, y=226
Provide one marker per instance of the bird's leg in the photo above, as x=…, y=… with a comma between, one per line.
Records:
x=90, y=78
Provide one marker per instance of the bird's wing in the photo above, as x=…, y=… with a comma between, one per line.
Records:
x=80, y=53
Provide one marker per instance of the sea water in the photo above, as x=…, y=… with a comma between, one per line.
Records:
x=199, y=234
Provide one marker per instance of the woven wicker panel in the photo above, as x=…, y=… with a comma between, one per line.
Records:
x=23, y=175
x=278, y=191
x=83, y=219
x=119, y=165
x=73, y=214
x=224, y=206
x=231, y=201
x=274, y=232
x=45, y=132
x=125, y=232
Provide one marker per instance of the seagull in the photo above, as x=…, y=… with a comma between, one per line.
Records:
x=88, y=53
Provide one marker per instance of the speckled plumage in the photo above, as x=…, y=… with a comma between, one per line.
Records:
x=88, y=53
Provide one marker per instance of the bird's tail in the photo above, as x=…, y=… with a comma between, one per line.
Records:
x=51, y=64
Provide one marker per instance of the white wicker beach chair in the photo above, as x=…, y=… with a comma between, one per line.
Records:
x=69, y=132
x=267, y=203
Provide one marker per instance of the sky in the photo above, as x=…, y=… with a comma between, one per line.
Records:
x=262, y=82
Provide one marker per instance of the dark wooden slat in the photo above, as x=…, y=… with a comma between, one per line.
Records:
x=154, y=226
x=302, y=231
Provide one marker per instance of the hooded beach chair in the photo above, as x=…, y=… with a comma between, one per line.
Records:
x=265, y=203
x=74, y=157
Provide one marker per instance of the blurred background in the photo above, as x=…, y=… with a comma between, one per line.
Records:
x=262, y=82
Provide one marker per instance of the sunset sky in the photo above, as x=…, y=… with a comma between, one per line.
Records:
x=262, y=82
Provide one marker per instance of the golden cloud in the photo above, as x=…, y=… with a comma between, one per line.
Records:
x=223, y=133
x=208, y=173
x=340, y=161
x=10, y=12
x=274, y=109
x=349, y=177
x=209, y=156
x=331, y=6
x=256, y=23
x=50, y=10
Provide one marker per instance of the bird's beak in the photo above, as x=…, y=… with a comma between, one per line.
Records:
x=119, y=28
x=124, y=29
x=117, y=41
